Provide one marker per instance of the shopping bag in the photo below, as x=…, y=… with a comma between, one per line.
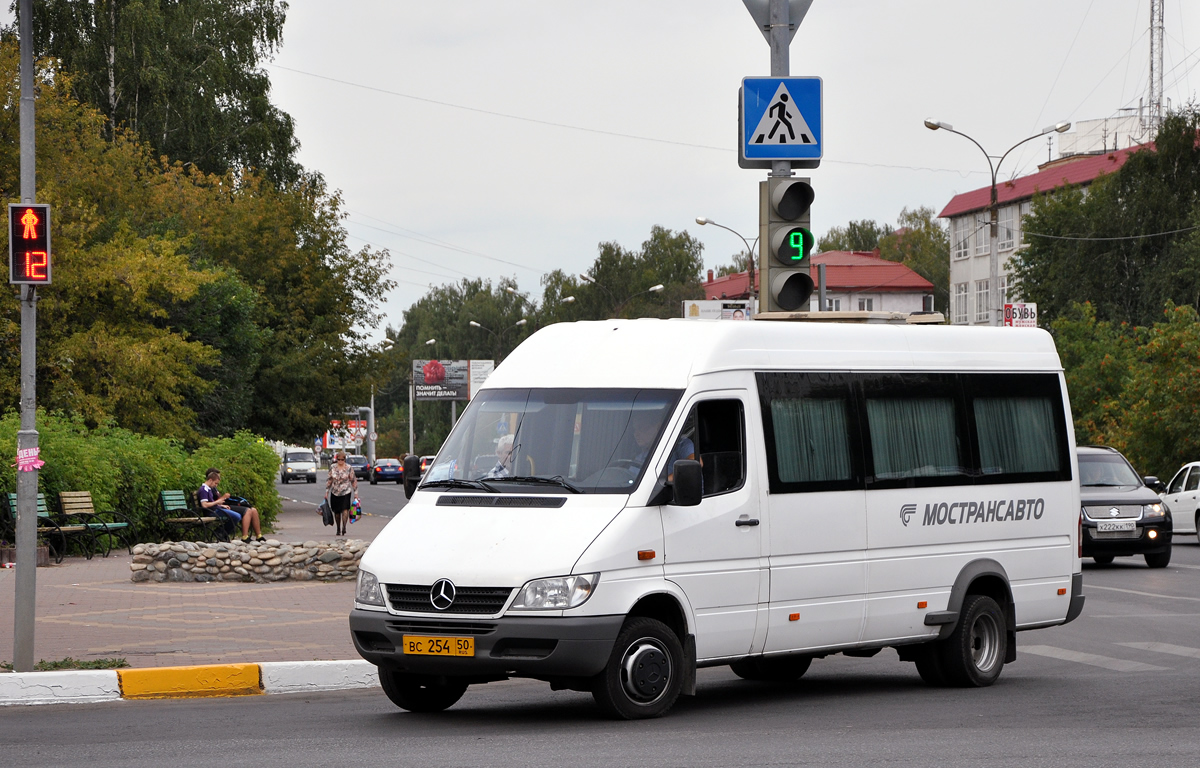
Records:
x=326, y=511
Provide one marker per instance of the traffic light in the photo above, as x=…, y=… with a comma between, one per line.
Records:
x=785, y=228
x=28, y=244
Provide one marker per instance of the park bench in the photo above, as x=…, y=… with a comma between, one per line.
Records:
x=78, y=508
x=56, y=532
x=181, y=521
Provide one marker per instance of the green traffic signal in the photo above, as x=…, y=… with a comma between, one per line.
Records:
x=801, y=242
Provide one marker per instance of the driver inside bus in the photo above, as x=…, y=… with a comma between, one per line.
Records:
x=645, y=428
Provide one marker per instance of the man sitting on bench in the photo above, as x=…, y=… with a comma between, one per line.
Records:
x=248, y=516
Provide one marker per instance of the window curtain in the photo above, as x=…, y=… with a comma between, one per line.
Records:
x=1016, y=434
x=913, y=437
x=812, y=441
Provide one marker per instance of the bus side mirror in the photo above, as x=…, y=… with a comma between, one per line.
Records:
x=412, y=475
x=687, y=483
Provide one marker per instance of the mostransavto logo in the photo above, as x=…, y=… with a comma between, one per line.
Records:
x=969, y=512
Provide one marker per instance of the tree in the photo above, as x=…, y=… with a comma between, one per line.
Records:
x=1128, y=246
x=739, y=263
x=185, y=75
x=186, y=303
x=856, y=236
x=923, y=245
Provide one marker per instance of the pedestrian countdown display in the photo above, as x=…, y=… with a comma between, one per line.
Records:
x=28, y=244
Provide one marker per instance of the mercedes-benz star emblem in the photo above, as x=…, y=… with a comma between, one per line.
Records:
x=441, y=594
x=1114, y=512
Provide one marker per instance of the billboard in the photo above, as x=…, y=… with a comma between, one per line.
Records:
x=449, y=379
x=1020, y=315
x=722, y=309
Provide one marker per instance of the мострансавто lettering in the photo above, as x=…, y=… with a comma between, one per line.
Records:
x=966, y=512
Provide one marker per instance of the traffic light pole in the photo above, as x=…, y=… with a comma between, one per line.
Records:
x=25, y=609
x=781, y=43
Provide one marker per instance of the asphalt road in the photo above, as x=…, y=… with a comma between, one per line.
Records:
x=384, y=499
x=1118, y=687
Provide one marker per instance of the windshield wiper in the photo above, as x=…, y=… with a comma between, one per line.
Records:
x=478, y=485
x=1106, y=485
x=536, y=480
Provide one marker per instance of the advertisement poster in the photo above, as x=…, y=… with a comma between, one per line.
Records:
x=719, y=309
x=1020, y=315
x=449, y=379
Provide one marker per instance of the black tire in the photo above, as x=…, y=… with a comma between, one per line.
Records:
x=312, y=479
x=1102, y=559
x=780, y=669
x=421, y=693
x=929, y=665
x=973, y=655
x=644, y=673
x=284, y=480
x=1158, y=559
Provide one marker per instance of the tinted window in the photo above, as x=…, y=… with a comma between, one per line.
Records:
x=715, y=434
x=837, y=431
x=811, y=431
x=915, y=427
x=1106, y=470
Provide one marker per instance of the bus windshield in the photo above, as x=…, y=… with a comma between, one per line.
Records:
x=553, y=440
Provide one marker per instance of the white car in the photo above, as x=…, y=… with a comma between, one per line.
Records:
x=298, y=465
x=1183, y=498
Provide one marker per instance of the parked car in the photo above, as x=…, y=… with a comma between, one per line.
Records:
x=387, y=470
x=361, y=466
x=1122, y=516
x=1182, y=497
x=298, y=465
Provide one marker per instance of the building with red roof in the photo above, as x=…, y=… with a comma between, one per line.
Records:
x=968, y=216
x=854, y=280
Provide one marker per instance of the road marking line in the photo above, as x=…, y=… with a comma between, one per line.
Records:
x=1117, y=665
x=1145, y=594
x=1174, y=650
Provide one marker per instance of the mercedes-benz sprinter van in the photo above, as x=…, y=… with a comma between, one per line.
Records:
x=626, y=501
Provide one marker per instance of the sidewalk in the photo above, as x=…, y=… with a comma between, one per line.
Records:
x=90, y=609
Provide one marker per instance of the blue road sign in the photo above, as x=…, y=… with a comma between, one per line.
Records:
x=781, y=120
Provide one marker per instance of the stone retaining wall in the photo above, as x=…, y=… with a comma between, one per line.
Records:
x=260, y=562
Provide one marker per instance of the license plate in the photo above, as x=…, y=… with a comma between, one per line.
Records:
x=420, y=645
x=1109, y=526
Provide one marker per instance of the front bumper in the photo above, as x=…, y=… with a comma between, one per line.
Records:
x=1139, y=544
x=534, y=646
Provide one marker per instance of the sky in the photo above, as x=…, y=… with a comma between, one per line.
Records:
x=506, y=139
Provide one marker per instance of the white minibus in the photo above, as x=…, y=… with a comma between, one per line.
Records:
x=626, y=501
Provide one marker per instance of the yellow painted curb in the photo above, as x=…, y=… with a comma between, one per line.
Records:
x=190, y=682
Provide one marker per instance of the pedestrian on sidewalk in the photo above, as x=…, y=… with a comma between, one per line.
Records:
x=341, y=485
x=247, y=516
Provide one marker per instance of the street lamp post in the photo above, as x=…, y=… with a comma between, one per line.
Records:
x=702, y=220
x=499, y=337
x=533, y=309
x=412, y=385
x=994, y=211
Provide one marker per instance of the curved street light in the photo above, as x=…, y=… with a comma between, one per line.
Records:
x=994, y=213
x=703, y=220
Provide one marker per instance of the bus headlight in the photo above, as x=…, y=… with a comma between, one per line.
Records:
x=556, y=593
x=368, y=592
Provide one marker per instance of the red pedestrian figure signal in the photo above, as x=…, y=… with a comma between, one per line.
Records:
x=29, y=244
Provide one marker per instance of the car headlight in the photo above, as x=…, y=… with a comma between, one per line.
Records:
x=556, y=593
x=1153, y=512
x=368, y=592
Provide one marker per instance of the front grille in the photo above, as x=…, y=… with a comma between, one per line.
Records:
x=467, y=600
x=1104, y=511
x=1104, y=535
x=418, y=627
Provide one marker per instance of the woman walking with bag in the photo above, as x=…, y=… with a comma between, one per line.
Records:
x=341, y=486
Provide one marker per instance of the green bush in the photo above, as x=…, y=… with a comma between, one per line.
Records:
x=124, y=471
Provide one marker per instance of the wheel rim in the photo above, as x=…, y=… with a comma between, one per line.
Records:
x=985, y=642
x=645, y=671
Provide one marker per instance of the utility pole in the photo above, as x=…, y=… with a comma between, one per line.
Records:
x=25, y=610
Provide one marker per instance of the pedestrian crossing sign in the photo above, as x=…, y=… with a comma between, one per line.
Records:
x=779, y=118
